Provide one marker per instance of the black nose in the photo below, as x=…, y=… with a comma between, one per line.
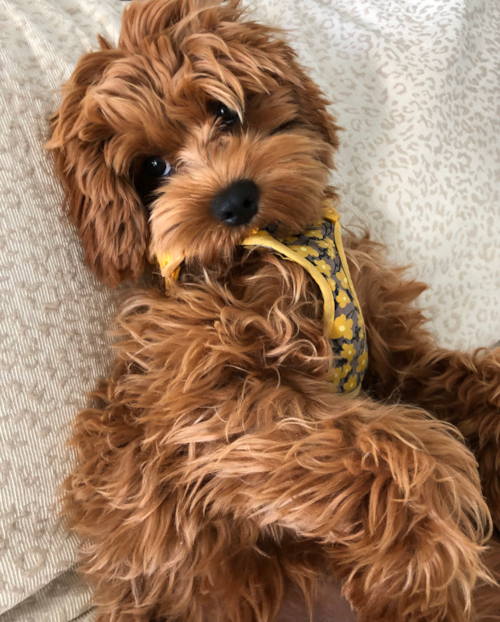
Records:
x=237, y=204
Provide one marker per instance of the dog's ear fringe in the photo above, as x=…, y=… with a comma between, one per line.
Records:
x=105, y=208
x=314, y=104
x=310, y=98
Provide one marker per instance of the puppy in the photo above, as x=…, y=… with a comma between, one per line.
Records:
x=221, y=462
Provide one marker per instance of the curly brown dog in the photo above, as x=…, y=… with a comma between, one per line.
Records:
x=218, y=465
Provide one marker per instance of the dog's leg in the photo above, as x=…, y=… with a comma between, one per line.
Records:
x=389, y=491
x=406, y=364
x=391, y=495
x=205, y=454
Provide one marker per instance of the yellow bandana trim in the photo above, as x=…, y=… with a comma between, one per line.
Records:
x=263, y=238
x=347, y=343
x=170, y=268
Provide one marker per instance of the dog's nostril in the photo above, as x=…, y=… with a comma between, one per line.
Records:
x=237, y=204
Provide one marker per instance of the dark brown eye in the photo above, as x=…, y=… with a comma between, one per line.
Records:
x=225, y=114
x=156, y=167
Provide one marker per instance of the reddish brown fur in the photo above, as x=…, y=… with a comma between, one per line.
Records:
x=217, y=466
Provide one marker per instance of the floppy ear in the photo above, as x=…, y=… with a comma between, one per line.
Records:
x=314, y=105
x=277, y=61
x=311, y=101
x=103, y=203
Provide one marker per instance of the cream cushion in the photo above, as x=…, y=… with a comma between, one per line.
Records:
x=53, y=313
x=416, y=87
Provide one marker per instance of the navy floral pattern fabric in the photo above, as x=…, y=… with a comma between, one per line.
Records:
x=348, y=337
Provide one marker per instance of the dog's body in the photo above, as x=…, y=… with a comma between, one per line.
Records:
x=218, y=465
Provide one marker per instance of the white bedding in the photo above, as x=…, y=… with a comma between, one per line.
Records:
x=415, y=84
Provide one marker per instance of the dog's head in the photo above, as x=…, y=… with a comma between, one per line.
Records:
x=197, y=129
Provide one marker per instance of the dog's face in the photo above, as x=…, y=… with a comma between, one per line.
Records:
x=197, y=129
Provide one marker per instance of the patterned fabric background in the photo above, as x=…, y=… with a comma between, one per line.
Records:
x=53, y=314
x=416, y=85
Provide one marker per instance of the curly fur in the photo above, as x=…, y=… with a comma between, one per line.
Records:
x=217, y=468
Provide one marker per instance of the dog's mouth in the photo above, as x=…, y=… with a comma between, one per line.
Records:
x=170, y=263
